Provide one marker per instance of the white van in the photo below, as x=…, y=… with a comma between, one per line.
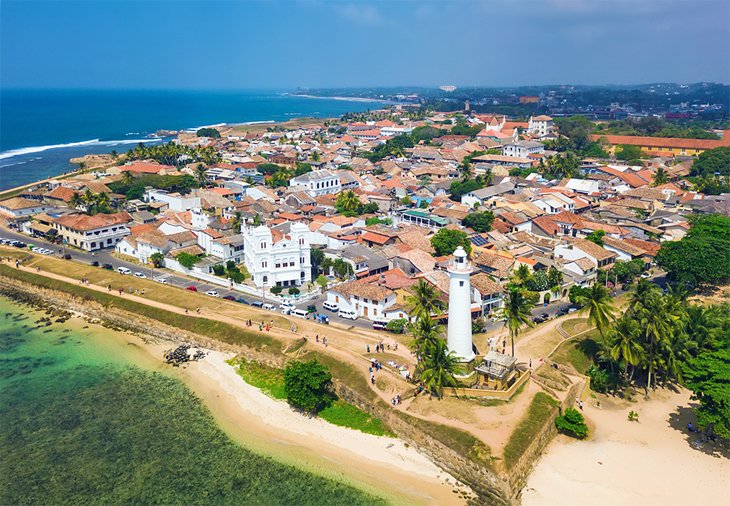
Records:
x=287, y=308
x=268, y=306
x=350, y=315
x=124, y=270
x=330, y=306
x=300, y=313
x=380, y=325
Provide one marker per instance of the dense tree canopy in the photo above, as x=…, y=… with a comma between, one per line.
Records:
x=711, y=161
x=208, y=132
x=307, y=385
x=479, y=222
x=445, y=241
x=702, y=256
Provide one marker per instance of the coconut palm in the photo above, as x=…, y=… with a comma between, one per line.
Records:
x=236, y=222
x=425, y=333
x=661, y=176
x=423, y=301
x=597, y=303
x=521, y=275
x=626, y=344
x=127, y=177
x=201, y=174
x=347, y=202
x=516, y=310
x=702, y=323
x=439, y=368
x=647, y=307
x=76, y=200
x=102, y=201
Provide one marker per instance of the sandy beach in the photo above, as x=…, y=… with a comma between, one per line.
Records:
x=381, y=465
x=652, y=462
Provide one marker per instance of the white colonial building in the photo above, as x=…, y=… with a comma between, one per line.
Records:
x=317, y=182
x=275, y=258
x=523, y=149
x=540, y=126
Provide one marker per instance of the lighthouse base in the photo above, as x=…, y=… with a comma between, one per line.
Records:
x=468, y=367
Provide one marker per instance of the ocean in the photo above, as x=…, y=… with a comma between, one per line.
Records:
x=84, y=420
x=40, y=130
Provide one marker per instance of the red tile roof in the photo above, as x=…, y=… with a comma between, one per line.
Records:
x=665, y=142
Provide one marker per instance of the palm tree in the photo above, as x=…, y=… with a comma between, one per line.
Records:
x=102, y=201
x=201, y=174
x=76, y=200
x=425, y=334
x=236, y=222
x=521, y=275
x=555, y=279
x=597, y=302
x=626, y=344
x=660, y=177
x=348, y=202
x=516, y=310
x=647, y=307
x=423, y=301
x=702, y=323
x=127, y=178
x=439, y=368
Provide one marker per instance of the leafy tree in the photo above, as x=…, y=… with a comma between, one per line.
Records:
x=378, y=221
x=625, y=345
x=157, y=259
x=439, y=368
x=187, y=260
x=661, y=176
x=127, y=178
x=322, y=282
x=708, y=376
x=479, y=222
x=596, y=237
x=425, y=334
x=219, y=270
x=424, y=300
x=208, y=132
x=276, y=289
x=460, y=188
x=342, y=269
x=268, y=169
x=445, y=241
x=538, y=282
x=406, y=201
x=307, y=385
x=572, y=423
x=628, y=153
x=294, y=291
x=576, y=294
x=316, y=256
x=522, y=275
x=712, y=161
x=702, y=256
x=577, y=130
x=516, y=310
x=397, y=326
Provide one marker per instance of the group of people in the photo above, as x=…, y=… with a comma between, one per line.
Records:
x=380, y=347
x=325, y=341
x=395, y=401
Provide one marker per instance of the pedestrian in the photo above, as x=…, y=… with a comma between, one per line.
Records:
x=580, y=405
x=316, y=338
x=388, y=346
x=396, y=346
x=372, y=379
x=370, y=369
x=186, y=311
x=530, y=363
x=368, y=348
x=109, y=288
x=197, y=310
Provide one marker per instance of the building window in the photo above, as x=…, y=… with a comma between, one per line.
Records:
x=264, y=264
x=461, y=283
x=301, y=241
x=263, y=245
x=265, y=279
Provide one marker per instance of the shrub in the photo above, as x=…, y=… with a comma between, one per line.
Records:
x=187, y=260
x=599, y=378
x=572, y=423
x=219, y=270
x=397, y=326
x=276, y=289
x=294, y=290
x=307, y=385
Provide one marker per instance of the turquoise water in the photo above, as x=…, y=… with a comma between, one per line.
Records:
x=39, y=129
x=80, y=424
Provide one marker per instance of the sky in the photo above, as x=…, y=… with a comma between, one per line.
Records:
x=281, y=44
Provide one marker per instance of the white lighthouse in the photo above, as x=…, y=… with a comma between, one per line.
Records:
x=459, y=329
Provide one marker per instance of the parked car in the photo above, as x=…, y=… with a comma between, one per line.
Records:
x=312, y=308
x=380, y=325
x=212, y=293
x=66, y=256
x=269, y=307
x=322, y=318
x=257, y=303
x=349, y=315
x=562, y=311
x=330, y=306
x=124, y=270
x=538, y=319
x=286, y=307
x=95, y=264
x=161, y=280
x=229, y=297
x=108, y=267
x=241, y=300
x=545, y=316
x=192, y=288
x=140, y=275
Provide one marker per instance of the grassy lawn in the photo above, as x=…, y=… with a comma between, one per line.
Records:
x=575, y=326
x=541, y=411
x=267, y=379
x=459, y=440
x=578, y=352
x=270, y=380
x=346, y=415
x=211, y=328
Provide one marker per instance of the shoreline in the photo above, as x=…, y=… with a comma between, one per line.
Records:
x=345, y=98
x=382, y=466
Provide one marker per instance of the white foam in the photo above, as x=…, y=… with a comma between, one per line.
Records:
x=37, y=149
x=195, y=129
x=94, y=142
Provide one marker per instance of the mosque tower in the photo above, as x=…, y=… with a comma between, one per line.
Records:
x=459, y=329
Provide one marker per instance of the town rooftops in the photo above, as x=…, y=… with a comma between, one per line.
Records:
x=84, y=222
x=18, y=203
x=665, y=142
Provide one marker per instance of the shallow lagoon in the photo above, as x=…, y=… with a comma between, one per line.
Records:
x=79, y=423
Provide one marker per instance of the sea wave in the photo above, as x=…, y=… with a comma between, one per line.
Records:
x=195, y=129
x=93, y=142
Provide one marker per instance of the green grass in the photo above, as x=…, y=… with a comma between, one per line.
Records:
x=575, y=325
x=267, y=379
x=270, y=380
x=541, y=411
x=578, y=352
x=211, y=328
x=346, y=415
x=460, y=441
